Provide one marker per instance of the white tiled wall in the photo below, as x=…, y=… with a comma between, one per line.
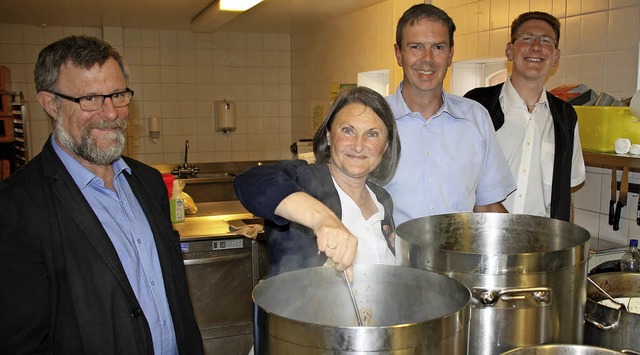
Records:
x=592, y=207
x=176, y=75
x=598, y=38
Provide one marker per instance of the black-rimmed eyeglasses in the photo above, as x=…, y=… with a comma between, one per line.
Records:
x=95, y=102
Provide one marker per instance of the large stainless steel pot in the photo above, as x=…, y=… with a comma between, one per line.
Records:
x=526, y=274
x=561, y=349
x=609, y=327
x=405, y=311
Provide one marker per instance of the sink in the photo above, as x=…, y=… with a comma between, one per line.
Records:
x=210, y=187
x=213, y=176
x=209, y=176
x=256, y=220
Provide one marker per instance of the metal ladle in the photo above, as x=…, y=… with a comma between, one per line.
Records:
x=353, y=298
x=621, y=305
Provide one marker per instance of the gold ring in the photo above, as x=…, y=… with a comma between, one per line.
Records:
x=331, y=247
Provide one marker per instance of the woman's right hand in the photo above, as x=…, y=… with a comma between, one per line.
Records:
x=332, y=237
x=335, y=240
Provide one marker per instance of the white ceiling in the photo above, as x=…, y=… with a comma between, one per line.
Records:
x=283, y=16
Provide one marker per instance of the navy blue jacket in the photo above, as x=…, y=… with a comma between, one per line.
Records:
x=293, y=246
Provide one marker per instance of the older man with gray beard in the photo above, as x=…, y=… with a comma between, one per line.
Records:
x=89, y=261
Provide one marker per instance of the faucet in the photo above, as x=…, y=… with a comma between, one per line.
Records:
x=186, y=170
x=186, y=153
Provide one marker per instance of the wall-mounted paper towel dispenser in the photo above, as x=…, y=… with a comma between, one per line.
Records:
x=224, y=113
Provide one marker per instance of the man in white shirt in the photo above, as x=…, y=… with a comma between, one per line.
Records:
x=537, y=131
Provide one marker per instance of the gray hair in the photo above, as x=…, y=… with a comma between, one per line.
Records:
x=81, y=51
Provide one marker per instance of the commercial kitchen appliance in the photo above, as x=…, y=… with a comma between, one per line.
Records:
x=222, y=269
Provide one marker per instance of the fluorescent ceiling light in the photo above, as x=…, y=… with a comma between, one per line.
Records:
x=237, y=5
x=215, y=15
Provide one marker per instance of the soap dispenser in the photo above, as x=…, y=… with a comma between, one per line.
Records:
x=176, y=203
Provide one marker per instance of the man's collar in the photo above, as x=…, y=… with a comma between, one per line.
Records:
x=80, y=174
x=509, y=97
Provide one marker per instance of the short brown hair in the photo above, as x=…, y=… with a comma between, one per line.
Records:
x=424, y=12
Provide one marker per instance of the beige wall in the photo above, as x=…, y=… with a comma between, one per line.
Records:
x=277, y=79
x=337, y=52
x=177, y=75
x=599, y=43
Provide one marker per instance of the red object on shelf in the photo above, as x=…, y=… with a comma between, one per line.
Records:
x=568, y=92
x=168, y=181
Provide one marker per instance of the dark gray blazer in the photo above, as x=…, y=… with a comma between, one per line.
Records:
x=64, y=290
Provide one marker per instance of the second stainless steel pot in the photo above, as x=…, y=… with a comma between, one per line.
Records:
x=609, y=327
x=527, y=274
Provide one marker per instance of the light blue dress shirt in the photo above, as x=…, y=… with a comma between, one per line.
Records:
x=128, y=228
x=450, y=162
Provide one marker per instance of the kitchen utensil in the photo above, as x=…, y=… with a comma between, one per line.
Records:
x=634, y=104
x=622, y=198
x=527, y=274
x=353, y=298
x=414, y=311
x=620, y=305
x=638, y=212
x=614, y=195
x=609, y=327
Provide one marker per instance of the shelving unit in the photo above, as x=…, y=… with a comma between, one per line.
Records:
x=13, y=147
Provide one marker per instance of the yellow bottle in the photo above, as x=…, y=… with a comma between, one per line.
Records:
x=176, y=204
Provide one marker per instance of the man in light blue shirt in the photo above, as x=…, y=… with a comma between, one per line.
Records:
x=451, y=160
x=128, y=229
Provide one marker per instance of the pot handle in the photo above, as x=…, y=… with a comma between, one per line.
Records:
x=601, y=326
x=490, y=297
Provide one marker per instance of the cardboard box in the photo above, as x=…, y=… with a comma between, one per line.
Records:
x=600, y=126
x=6, y=108
x=5, y=79
x=5, y=169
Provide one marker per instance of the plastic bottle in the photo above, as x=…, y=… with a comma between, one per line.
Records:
x=630, y=261
x=176, y=204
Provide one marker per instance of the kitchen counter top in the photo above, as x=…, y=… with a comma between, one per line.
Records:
x=212, y=220
x=611, y=160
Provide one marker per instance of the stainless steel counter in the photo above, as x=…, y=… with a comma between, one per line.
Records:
x=212, y=220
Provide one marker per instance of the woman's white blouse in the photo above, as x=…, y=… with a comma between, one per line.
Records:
x=372, y=247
